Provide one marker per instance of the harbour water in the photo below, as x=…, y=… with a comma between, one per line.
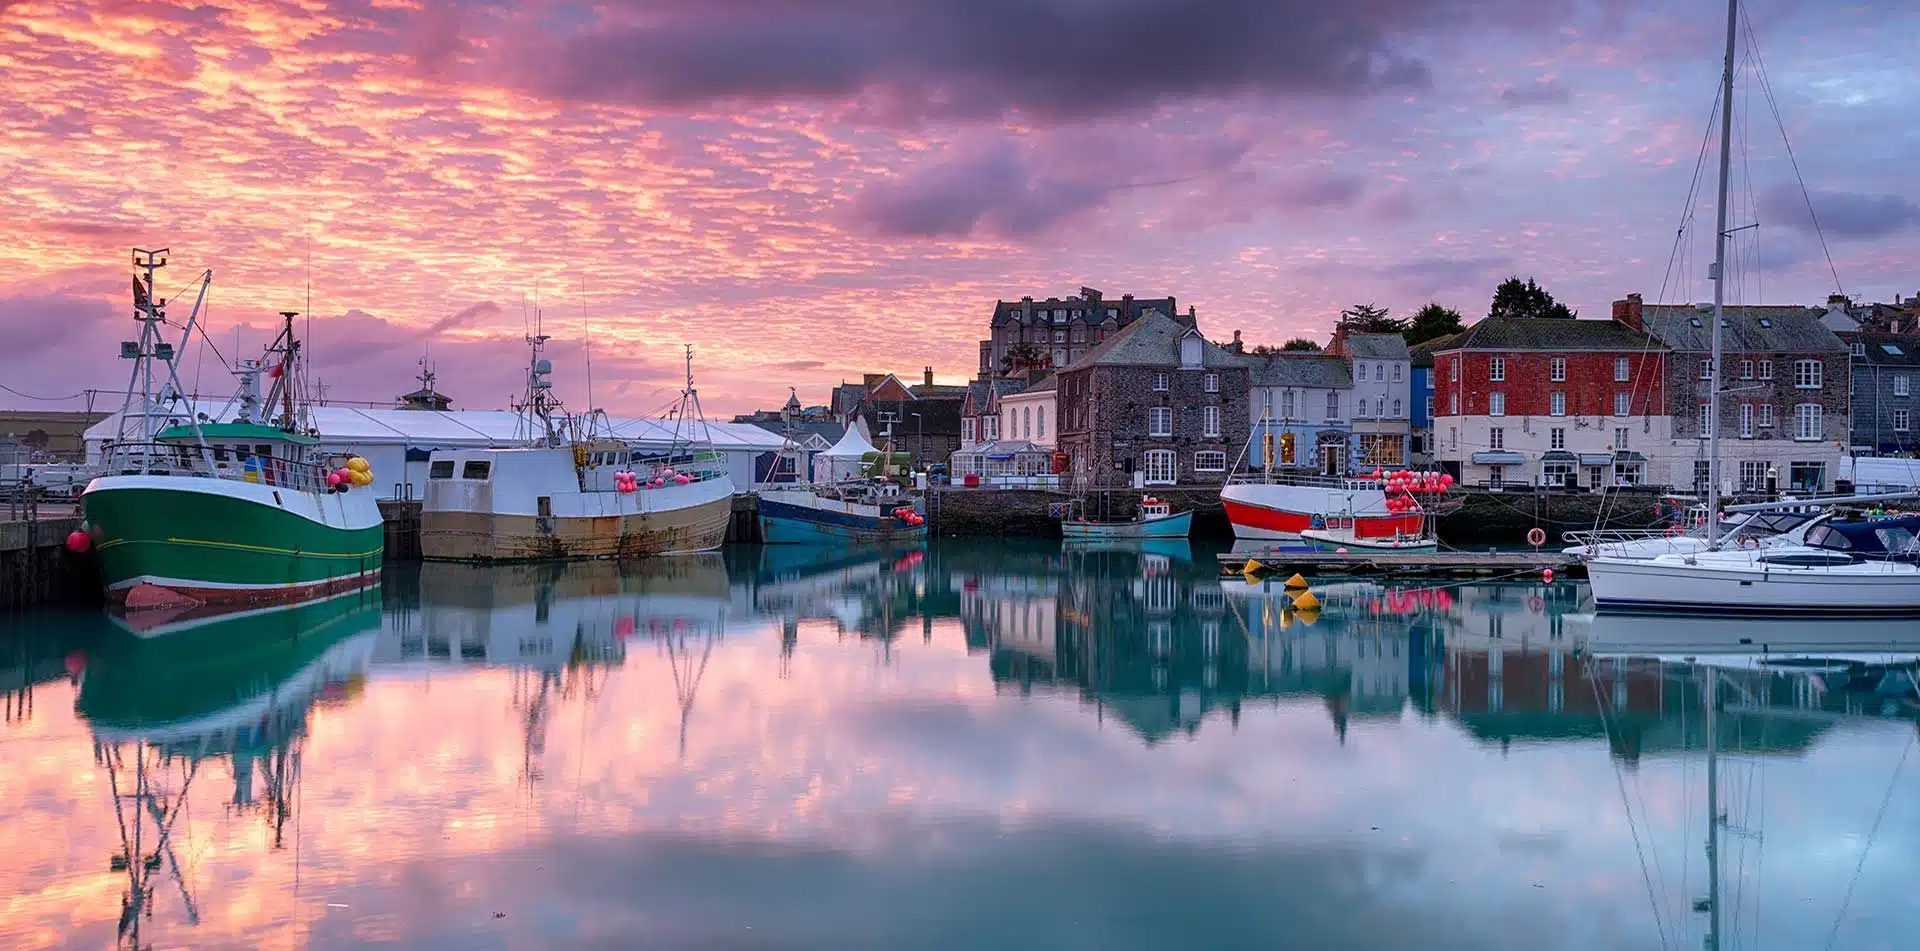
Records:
x=979, y=746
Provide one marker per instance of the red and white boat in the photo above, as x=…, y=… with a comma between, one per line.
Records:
x=1283, y=508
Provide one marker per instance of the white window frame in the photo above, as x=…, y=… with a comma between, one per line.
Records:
x=1287, y=406
x=1210, y=421
x=1622, y=370
x=1556, y=404
x=1858, y=349
x=1766, y=415
x=1160, y=384
x=1157, y=414
x=1557, y=437
x=1746, y=420
x=1160, y=467
x=1706, y=421
x=1746, y=369
x=1766, y=369
x=1620, y=434
x=1396, y=373
x=1496, y=438
x=1902, y=420
x=1497, y=403
x=1396, y=409
x=1453, y=403
x=1557, y=370
x=1453, y=371
x=1809, y=422
x=1497, y=370
x=1900, y=385
x=970, y=429
x=1210, y=383
x=1706, y=368
x=1209, y=460
x=1623, y=404
x=1809, y=374
x=1333, y=405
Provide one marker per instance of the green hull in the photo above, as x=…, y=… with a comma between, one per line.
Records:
x=224, y=547
x=192, y=670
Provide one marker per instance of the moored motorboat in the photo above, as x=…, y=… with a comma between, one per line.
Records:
x=1154, y=519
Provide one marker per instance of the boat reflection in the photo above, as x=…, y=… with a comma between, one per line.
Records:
x=165, y=696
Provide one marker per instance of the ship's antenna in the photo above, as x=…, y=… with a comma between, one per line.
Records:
x=586, y=334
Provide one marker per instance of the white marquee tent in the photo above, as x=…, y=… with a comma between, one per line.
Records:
x=843, y=461
x=397, y=442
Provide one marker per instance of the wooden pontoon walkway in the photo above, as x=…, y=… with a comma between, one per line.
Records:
x=1451, y=564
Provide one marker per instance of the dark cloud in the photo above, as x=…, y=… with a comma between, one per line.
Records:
x=34, y=325
x=989, y=190
x=1545, y=91
x=460, y=318
x=1053, y=59
x=1841, y=214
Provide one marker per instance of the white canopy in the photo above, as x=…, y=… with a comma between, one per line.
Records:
x=843, y=460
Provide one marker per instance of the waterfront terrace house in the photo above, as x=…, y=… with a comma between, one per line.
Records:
x=979, y=414
x=1299, y=405
x=1031, y=414
x=1028, y=334
x=1787, y=393
x=1382, y=391
x=1420, y=401
x=1155, y=404
x=923, y=419
x=1545, y=401
x=1886, y=389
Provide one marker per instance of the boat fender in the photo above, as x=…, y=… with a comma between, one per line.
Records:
x=1536, y=537
x=1749, y=541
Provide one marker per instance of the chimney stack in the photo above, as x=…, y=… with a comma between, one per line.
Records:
x=929, y=376
x=1630, y=313
x=1236, y=346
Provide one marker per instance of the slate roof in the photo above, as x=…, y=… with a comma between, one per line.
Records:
x=1047, y=384
x=1533, y=333
x=1129, y=310
x=1299, y=369
x=826, y=429
x=1761, y=329
x=1422, y=354
x=1888, y=350
x=936, y=390
x=1151, y=341
x=1377, y=346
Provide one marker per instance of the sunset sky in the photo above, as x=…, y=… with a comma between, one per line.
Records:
x=808, y=189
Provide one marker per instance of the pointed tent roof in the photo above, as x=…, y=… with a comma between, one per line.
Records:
x=851, y=446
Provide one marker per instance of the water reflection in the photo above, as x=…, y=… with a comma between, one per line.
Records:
x=782, y=747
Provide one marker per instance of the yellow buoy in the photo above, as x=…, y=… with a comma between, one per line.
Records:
x=1307, y=617
x=1252, y=567
x=1296, y=582
x=359, y=464
x=1306, y=602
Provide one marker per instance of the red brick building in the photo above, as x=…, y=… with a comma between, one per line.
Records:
x=1544, y=401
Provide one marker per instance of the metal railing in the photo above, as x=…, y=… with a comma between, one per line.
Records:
x=172, y=459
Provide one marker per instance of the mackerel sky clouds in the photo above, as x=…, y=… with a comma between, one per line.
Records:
x=807, y=189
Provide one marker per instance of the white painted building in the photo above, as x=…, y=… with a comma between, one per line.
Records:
x=1031, y=415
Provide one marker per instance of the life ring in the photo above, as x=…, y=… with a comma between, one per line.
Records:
x=1536, y=537
x=1749, y=541
x=1535, y=605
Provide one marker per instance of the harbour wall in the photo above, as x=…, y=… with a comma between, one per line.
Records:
x=36, y=569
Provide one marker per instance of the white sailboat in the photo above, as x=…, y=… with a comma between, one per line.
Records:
x=1765, y=580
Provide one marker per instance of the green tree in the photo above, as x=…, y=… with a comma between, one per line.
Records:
x=1369, y=319
x=1518, y=300
x=1433, y=322
x=1300, y=344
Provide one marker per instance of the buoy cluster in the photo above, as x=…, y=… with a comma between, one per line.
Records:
x=1401, y=486
x=625, y=481
x=357, y=473
x=906, y=514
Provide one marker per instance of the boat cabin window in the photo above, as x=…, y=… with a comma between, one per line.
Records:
x=476, y=469
x=263, y=450
x=219, y=453
x=441, y=469
x=1894, y=538
x=1825, y=536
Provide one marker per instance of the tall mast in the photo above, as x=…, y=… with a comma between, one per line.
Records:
x=1720, y=279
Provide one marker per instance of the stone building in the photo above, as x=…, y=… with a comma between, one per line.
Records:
x=1886, y=372
x=1787, y=389
x=1156, y=404
x=1027, y=334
